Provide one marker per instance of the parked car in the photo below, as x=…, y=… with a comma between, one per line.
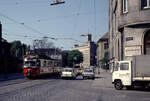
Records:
x=88, y=73
x=68, y=73
x=79, y=71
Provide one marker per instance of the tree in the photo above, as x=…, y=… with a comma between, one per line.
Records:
x=104, y=61
x=75, y=56
x=42, y=44
x=18, y=49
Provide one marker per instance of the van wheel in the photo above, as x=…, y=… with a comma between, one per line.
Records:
x=118, y=85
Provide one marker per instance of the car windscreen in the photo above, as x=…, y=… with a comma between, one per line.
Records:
x=88, y=70
x=67, y=70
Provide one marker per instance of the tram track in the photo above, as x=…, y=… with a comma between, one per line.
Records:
x=7, y=89
x=11, y=82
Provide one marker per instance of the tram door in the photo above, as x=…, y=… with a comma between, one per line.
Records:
x=147, y=43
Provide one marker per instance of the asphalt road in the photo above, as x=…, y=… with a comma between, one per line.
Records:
x=56, y=89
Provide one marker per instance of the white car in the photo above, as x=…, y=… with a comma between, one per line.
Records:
x=68, y=73
x=88, y=73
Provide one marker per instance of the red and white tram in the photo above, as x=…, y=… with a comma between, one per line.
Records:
x=35, y=66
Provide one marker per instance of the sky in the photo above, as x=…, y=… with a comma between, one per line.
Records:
x=28, y=20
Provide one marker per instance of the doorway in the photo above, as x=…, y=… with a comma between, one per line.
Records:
x=147, y=43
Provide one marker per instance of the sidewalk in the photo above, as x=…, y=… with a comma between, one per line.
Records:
x=104, y=79
x=11, y=76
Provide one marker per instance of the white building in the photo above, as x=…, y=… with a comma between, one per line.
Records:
x=89, y=52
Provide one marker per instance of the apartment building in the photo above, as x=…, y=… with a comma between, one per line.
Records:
x=102, y=48
x=129, y=28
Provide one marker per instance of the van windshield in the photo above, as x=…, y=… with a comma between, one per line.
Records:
x=124, y=66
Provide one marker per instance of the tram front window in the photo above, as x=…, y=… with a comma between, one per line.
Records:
x=29, y=63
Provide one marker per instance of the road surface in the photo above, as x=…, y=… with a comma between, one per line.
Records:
x=56, y=89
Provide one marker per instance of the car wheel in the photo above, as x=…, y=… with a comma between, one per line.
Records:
x=118, y=85
x=74, y=78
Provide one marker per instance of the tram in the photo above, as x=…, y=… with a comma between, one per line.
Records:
x=35, y=66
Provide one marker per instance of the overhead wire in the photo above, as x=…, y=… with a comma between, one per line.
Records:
x=95, y=29
x=75, y=24
x=64, y=17
x=21, y=23
x=22, y=3
x=23, y=36
x=88, y=22
x=34, y=30
x=78, y=13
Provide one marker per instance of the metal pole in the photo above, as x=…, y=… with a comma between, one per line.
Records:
x=1, y=58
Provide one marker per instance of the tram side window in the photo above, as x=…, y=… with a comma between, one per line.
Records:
x=44, y=64
x=38, y=63
x=49, y=63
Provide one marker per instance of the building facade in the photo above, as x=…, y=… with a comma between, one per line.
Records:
x=89, y=52
x=129, y=28
x=6, y=62
x=64, y=58
x=102, y=48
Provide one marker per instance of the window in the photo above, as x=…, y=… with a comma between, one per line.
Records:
x=105, y=45
x=124, y=66
x=145, y=4
x=30, y=63
x=88, y=70
x=67, y=70
x=125, y=6
x=44, y=64
x=38, y=63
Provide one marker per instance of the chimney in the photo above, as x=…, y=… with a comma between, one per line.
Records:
x=0, y=32
x=88, y=38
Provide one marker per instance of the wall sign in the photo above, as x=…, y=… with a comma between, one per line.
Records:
x=131, y=51
x=129, y=38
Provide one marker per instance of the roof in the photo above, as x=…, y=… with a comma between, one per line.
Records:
x=104, y=37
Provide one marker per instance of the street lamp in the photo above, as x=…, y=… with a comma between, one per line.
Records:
x=74, y=59
x=57, y=2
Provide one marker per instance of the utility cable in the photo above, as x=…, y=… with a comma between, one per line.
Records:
x=77, y=15
x=22, y=24
x=95, y=19
x=22, y=3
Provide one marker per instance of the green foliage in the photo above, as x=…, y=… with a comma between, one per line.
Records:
x=75, y=56
x=18, y=49
x=104, y=61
